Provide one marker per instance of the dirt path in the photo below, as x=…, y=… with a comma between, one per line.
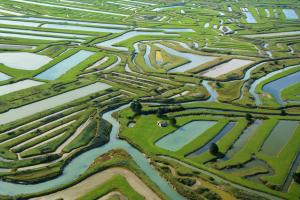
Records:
x=113, y=194
x=200, y=182
x=59, y=149
x=42, y=126
x=43, y=134
x=74, y=135
x=37, y=120
x=92, y=182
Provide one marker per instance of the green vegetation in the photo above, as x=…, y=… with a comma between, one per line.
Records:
x=118, y=183
x=121, y=38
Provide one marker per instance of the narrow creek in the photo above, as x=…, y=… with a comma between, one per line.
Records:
x=211, y=91
x=146, y=56
x=289, y=177
x=246, y=78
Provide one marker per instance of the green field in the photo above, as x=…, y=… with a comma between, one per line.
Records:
x=95, y=87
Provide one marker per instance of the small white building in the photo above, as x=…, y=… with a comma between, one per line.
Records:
x=162, y=124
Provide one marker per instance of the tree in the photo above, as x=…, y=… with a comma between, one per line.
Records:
x=283, y=113
x=214, y=149
x=296, y=177
x=159, y=112
x=173, y=121
x=132, y=55
x=249, y=117
x=136, y=107
x=218, y=84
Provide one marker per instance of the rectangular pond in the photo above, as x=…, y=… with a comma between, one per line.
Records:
x=249, y=17
x=168, y=30
x=290, y=14
x=24, y=60
x=15, y=46
x=19, y=23
x=206, y=147
x=123, y=5
x=267, y=13
x=52, y=102
x=226, y=67
x=111, y=42
x=62, y=67
x=165, y=7
x=141, y=2
x=279, y=137
x=73, y=22
x=35, y=37
x=243, y=139
x=273, y=34
x=184, y=135
x=82, y=28
x=47, y=33
x=13, y=87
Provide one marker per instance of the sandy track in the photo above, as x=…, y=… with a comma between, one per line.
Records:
x=59, y=149
x=113, y=194
x=215, y=188
x=73, y=136
x=93, y=181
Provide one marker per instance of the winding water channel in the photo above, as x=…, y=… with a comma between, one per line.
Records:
x=277, y=86
x=211, y=91
x=147, y=56
x=195, y=60
x=80, y=164
x=275, y=92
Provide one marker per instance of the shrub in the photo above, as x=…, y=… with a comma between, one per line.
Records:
x=296, y=177
x=187, y=181
x=136, y=107
x=173, y=121
x=214, y=149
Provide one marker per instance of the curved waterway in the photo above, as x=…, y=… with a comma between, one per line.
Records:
x=246, y=78
x=211, y=91
x=275, y=87
x=195, y=59
x=147, y=56
x=277, y=91
x=81, y=163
